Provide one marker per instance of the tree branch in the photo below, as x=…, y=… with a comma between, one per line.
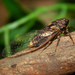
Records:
x=48, y=62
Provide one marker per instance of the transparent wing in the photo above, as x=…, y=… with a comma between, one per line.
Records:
x=18, y=44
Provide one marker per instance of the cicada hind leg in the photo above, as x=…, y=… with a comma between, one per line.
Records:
x=45, y=46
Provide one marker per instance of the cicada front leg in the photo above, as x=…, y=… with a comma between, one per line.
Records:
x=67, y=32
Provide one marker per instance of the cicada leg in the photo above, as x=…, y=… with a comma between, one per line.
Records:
x=45, y=46
x=71, y=27
x=71, y=38
x=57, y=42
x=67, y=31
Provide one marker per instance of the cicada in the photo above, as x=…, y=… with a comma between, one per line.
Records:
x=41, y=38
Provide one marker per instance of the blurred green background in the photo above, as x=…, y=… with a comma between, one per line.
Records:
x=18, y=17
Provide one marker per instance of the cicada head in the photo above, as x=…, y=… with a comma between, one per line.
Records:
x=62, y=23
x=59, y=24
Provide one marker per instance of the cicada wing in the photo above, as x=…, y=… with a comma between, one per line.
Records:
x=19, y=44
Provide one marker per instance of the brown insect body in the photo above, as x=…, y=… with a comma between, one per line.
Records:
x=58, y=25
x=45, y=37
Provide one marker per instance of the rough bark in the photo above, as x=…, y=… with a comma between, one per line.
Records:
x=48, y=62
